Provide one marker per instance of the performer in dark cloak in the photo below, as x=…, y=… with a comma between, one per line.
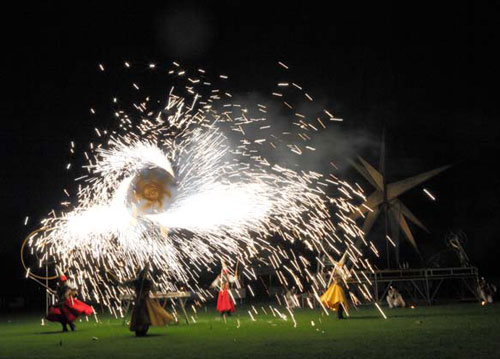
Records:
x=67, y=308
x=146, y=310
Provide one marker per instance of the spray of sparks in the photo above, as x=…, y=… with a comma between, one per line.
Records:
x=227, y=202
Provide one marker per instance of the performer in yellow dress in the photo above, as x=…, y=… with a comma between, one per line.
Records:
x=334, y=297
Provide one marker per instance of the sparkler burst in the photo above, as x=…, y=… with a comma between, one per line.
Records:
x=173, y=189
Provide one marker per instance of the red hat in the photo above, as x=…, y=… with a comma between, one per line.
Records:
x=63, y=278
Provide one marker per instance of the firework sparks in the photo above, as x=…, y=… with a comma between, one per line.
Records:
x=170, y=190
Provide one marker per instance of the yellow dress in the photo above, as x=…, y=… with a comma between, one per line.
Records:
x=147, y=311
x=157, y=315
x=333, y=297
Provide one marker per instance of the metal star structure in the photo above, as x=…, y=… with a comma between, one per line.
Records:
x=387, y=195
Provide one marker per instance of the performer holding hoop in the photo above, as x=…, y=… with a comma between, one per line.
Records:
x=67, y=308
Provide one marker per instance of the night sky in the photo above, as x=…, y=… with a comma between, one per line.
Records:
x=429, y=72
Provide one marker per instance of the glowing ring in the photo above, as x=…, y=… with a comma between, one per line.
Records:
x=22, y=257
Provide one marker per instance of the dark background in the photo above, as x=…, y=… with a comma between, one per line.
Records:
x=429, y=72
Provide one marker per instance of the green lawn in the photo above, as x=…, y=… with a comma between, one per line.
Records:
x=448, y=331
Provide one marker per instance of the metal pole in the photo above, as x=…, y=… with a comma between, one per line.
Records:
x=386, y=230
x=427, y=289
x=386, y=202
x=46, y=286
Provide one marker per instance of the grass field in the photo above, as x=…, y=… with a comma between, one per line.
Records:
x=447, y=331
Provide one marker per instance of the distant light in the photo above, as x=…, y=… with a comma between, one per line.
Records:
x=127, y=64
x=101, y=67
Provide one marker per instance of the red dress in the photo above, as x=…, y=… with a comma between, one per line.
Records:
x=224, y=301
x=69, y=311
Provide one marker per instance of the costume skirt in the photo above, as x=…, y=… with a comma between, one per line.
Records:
x=149, y=312
x=69, y=311
x=224, y=302
x=333, y=297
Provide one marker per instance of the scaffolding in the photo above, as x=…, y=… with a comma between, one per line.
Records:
x=424, y=283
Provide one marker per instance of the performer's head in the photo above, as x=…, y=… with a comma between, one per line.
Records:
x=143, y=273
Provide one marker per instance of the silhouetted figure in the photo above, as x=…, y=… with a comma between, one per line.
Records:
x=146, y=310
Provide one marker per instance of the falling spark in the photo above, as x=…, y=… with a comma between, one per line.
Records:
x=380, y=310
x=390, y=240
x=283, y=65
x=251, y=316
x=429, y=194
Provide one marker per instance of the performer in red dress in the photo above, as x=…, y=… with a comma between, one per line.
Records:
x=68, y=308
x=225, y=303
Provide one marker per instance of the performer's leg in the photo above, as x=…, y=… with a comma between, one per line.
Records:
x=72, y=326
x=141, y=330
x=340, y=311
x=64, y=324
x=64, y=321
